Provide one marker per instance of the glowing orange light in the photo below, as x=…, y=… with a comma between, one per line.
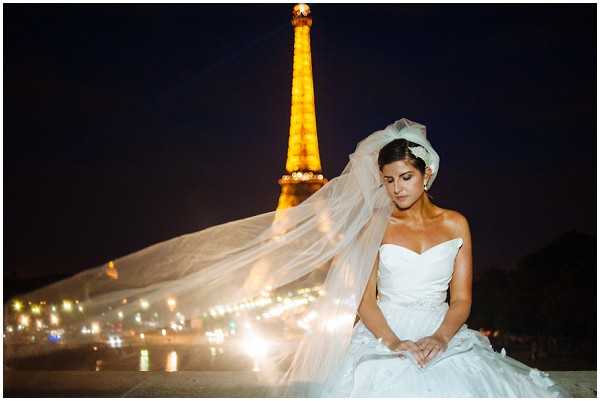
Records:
x=111, y=271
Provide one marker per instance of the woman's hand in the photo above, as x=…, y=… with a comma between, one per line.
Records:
x=431, y=346
x=410, y=346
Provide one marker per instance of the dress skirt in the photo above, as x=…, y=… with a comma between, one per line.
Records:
x=469, y=367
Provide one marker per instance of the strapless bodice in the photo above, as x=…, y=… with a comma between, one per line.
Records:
x=407, y=277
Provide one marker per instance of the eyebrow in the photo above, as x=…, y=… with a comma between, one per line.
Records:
x=400, y=175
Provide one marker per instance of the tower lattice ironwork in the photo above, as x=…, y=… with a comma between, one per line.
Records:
x=303, y=174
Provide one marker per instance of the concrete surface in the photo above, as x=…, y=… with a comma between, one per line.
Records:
x=186, y=384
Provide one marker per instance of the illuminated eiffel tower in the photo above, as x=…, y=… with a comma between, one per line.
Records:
x=303, y=174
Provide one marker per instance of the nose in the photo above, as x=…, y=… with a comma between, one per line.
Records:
x=397, y=188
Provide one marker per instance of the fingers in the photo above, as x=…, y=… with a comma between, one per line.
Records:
x=432, y=352
x=418, y=353
x=425, y=346
x=424, y=350
x=429, y=350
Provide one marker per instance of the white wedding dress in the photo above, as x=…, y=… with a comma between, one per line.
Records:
x=412, y=294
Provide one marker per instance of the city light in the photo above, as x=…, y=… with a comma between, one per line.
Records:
x=333, y=324
x=67, y=306
x=265, y=306
x=55, y=335
x=171, y=362
x=180, y=317
x=144, y=360
x=256, y=347
x=17, y=306
x=24, y=320
x=215, y=337
x=171, y=303
x=115, y=341
x=111, y=271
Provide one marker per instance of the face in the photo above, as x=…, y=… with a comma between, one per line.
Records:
x=403, y=182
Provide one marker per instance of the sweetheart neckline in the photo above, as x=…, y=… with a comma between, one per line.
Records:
x=425, y=251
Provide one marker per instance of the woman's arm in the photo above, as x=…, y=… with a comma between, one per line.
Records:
x=460, y=286
x=371, y=315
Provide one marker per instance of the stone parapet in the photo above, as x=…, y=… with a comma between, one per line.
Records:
x=24, y=383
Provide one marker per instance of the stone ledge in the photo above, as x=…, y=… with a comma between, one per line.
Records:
x=187, y=384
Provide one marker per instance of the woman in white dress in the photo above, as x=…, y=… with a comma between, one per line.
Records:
x=409, y=341
x=372, y=243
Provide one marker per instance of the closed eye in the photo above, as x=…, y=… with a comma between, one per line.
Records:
x=405, y=178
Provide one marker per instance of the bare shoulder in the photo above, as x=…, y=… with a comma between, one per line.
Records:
x=458, y=222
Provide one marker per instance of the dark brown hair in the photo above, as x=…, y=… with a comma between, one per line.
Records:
x=398, y=149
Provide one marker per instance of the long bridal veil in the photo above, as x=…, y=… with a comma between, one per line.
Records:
x=285, y=284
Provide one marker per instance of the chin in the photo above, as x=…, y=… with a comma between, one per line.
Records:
x=403, y=204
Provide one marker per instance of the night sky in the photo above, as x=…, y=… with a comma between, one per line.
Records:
x=127, y=125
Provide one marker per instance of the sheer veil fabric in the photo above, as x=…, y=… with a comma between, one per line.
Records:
x=330, y=240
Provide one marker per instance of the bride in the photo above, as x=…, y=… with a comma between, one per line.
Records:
x=425, y=250
x=373, y=244
x=416, y=219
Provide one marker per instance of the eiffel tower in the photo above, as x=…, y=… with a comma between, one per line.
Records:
x=303, y=174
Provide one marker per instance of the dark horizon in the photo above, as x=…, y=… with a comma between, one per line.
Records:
x=128, y=125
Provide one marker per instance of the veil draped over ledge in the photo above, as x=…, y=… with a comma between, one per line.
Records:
x=314, y=258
